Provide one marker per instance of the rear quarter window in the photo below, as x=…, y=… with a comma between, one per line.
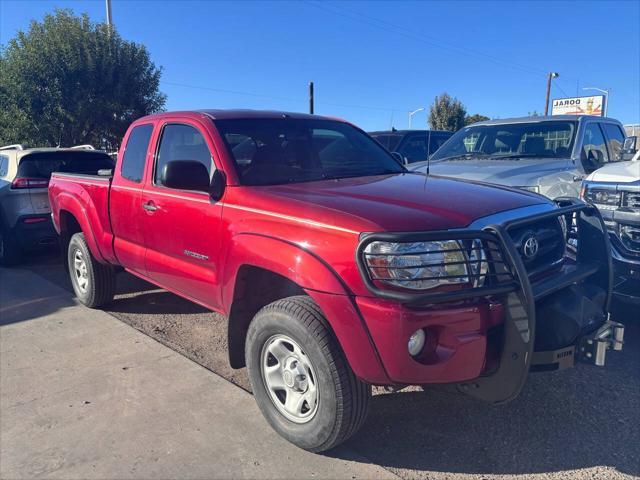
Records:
x=135, y=153
x=4, y=165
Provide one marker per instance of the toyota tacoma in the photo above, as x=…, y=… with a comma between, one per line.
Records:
x=337, y=268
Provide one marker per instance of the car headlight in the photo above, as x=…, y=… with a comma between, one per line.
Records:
x=534, y=189
x=425, y=265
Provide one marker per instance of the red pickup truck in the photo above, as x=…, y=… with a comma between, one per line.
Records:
x=337, y=268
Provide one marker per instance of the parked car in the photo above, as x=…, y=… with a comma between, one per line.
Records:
x=412, y=145
x=335, y=266
x=615, y=190
x=550, y=155
x=25, y=216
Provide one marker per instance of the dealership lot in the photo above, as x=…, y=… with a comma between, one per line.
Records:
x=583, y=421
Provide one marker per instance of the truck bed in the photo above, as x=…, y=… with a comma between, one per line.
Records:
x=85, y=197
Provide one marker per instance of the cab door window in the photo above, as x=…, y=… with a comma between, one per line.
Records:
x=594, y=144
x=615, y=140
x=178, y=143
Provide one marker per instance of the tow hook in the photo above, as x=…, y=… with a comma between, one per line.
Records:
x=593, y=347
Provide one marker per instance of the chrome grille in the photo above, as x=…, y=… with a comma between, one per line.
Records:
x=631, y=200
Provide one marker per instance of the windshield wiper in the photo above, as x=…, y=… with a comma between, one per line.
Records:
x=520, y=155
x=464, y=156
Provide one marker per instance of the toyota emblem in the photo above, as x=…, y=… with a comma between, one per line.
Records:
x=530, y=247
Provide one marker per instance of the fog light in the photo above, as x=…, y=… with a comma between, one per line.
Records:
x=416, y=342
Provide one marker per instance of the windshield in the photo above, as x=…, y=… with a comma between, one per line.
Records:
x=387, y=140
x=516, y=140
x=271, y=151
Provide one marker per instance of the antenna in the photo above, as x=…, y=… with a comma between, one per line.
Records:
x=428, y=150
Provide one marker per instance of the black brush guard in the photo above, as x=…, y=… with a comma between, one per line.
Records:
x=587, y=269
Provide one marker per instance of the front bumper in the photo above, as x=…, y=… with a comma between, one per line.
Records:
x=485, y=337
x=591, y=348
x=626, y=272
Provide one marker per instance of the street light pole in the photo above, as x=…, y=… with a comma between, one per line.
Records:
x=411, y=114
x=551, y=76
x=109, y=19
x=606, y=97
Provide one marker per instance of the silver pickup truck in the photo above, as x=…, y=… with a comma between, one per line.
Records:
x=550, y=155
x=615, y=190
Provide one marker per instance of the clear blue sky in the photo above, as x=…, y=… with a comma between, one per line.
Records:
x=388, y=57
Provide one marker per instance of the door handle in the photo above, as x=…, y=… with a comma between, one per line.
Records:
x=150, y=206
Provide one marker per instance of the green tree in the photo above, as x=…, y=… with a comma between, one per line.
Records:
x=447, y=113
x=68, y=81
x=469, y=119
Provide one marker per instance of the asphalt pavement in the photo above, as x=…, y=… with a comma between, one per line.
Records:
x=579, y=423
x=85, y=396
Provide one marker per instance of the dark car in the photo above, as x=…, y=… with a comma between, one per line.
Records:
x=413, y=145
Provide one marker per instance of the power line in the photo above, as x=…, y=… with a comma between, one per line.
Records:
x=557, y=85
x=273, y=97
x=399, y=30
x=434, y=41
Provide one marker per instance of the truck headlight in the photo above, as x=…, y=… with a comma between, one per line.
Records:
x=601, y=198
x=421, y=265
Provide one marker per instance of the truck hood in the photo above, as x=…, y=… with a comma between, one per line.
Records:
x=622, y=172
x=400, y=202
x=512, y=172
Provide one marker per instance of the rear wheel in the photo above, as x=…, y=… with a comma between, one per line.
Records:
x=93, y=282
x=10, y=252
x=300, y=378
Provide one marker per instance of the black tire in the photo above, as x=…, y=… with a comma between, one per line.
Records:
x=100, y=279
x=343, y=400
x=10, y=251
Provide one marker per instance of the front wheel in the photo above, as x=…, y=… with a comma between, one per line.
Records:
x=300, y=378
x=93, y=282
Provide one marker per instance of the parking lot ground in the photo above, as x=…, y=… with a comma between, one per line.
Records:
x=85, y=396
x=580, y=423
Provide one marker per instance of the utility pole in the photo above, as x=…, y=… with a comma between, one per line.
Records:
x=311, y=98
x=551, y=76
x=109, y=19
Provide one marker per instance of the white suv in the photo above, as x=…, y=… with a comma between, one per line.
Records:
x=25, y=216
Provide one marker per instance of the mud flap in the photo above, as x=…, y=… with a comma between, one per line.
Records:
x=506, y=382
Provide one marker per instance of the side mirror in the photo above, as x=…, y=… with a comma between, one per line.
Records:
x=630, y=145
x=185, y=175
x=629, y=148
x=218, y=184
x=398, y=156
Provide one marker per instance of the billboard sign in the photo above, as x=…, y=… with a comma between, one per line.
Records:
x=593, y=105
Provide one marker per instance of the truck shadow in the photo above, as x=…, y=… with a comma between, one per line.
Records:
x=578, y=418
